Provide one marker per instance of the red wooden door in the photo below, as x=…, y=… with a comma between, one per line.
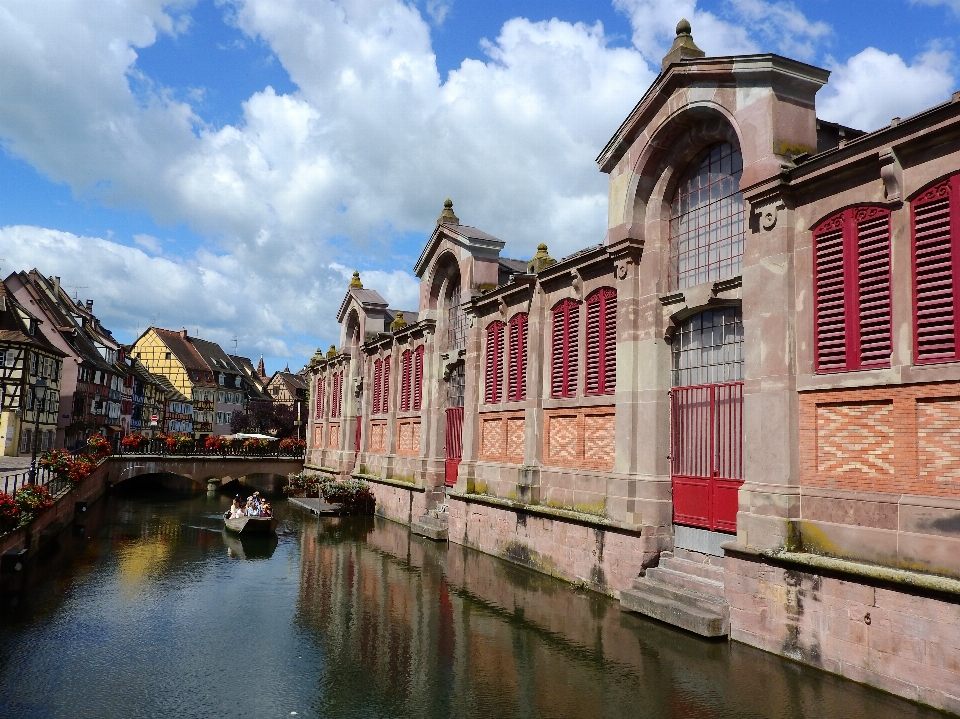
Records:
x=454, y=444
x=707, y=454
x=356, y=443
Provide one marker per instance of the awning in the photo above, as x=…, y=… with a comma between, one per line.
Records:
x=114, y=427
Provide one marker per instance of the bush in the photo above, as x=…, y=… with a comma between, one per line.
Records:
x=57, y=461
x=32, y=499
x=81, y=467
x=181, y=442
x=255, y=445
x=301, y=485
x=291, y=444
x=9, y=513
x=135, y=440
x=353, y=494
x=98, y=446
x=217, y=442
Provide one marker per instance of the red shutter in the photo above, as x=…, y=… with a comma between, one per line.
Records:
x=385, y=394
x=852, y=324
x=334, y=399
x=405, y=369
x=601, y=349
x=566, y=320
x=609, y=366
x=418, y=378
x=935, y=255
x=320, y=392
x=494, y=363
x=873, y=286
x=377, y=376
x=517, y=365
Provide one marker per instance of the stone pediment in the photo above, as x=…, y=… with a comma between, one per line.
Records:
x=474, y=241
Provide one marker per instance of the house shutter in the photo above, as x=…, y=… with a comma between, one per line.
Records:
x=385, y=394
x=494, y=363
x=935, y=239
x=335, y=399
x=405, y=370
x=566, y=318
x=852, y=324
x=377, y=378
x=517, y=365
x=320, y=392
x=418, y=378
x=601, y=350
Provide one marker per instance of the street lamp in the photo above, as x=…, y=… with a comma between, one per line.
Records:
x=39, y=392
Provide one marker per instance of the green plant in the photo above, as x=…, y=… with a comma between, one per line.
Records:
x=301, y=484
x=98, y=446
x=31, y=500
x=353, y=495
x=57, y=461
x=9, y=512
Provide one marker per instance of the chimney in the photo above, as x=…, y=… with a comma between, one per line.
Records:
x=56, y=287
x=183, y=333
x=89, y=305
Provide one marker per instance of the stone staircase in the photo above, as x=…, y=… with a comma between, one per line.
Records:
x=685, y=590
x=433, y=524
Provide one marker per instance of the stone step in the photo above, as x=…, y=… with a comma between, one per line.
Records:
x=683, y=580
x=698, y=557
x=697, y=569
x=688, y=610
x=679, y=594
x=430, y=527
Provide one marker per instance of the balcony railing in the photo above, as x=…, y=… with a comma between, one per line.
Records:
x=160, y=447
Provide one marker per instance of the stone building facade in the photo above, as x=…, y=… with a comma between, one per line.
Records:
x=737, y=413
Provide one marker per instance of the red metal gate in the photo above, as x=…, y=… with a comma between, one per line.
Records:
x=454, y=444
x=706, y=464
x=356, y=443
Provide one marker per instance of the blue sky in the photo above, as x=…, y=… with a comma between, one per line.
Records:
x=226, y=165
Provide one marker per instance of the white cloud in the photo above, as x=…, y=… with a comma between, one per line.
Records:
x=873, y=87
x=952, y=4
x=367, y=147
x=149, y=243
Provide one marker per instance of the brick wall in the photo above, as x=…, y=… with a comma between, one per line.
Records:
x=502, y=437
x=333, y=436
x=580, y=438
x=896, y=439
x=378, y=437
x=408, y=436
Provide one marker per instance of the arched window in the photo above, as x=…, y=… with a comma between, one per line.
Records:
x=936, y=272
x=707, y=220
x=851, y=259
x=456, y=317
x=601, y=354
x=517, y=358
x=493, y=368
x=565, y=346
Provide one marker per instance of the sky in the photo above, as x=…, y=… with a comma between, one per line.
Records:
x=225, y=165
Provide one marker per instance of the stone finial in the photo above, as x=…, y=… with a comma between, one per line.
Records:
x=540, y=261
x=447, y=217
x=317, y=356
x=332, y=352
x=355, y=283
x=683, y=46
x=398, y=323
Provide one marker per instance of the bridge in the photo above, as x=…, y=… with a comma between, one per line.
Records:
x=190, y=473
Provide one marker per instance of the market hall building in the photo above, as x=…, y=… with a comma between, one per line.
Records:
x=738, y=413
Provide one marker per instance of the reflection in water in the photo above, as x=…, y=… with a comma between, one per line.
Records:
x=151, y=615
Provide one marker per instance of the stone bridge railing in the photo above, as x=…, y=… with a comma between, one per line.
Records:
x=265, y=473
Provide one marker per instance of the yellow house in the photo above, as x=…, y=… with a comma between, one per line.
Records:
x=173, y=355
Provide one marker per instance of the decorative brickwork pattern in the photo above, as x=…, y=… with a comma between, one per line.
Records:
x=378, y=437
x=318, y=436
x=855, y=438
x=938, y=442
x=333, y=436
x=408, y=437
x=580, y=438
x=901, y=439
x=515, y=439
x=499, y=440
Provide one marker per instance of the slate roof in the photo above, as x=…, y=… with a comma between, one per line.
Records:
x=13, y=328
x=184, y=350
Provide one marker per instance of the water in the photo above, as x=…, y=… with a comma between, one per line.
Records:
x=155, y=613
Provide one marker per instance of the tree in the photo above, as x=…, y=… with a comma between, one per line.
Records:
x=273, y=418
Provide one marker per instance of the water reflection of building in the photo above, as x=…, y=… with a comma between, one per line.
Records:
x=409, y=628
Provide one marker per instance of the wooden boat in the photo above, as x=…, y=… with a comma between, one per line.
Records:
x=252, y=525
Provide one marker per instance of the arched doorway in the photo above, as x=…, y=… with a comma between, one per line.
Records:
x=706, y=434
x=456, y=329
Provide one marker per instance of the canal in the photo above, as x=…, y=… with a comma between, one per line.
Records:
x=155, y=613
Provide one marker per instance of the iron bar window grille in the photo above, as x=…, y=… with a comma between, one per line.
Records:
x=707, y=228
x=708, y=348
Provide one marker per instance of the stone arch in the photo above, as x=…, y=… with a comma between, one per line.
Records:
x=351, y=330
x=446, y=268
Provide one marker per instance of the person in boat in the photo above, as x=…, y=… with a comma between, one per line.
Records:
x=236, y=510
x=266, y=510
